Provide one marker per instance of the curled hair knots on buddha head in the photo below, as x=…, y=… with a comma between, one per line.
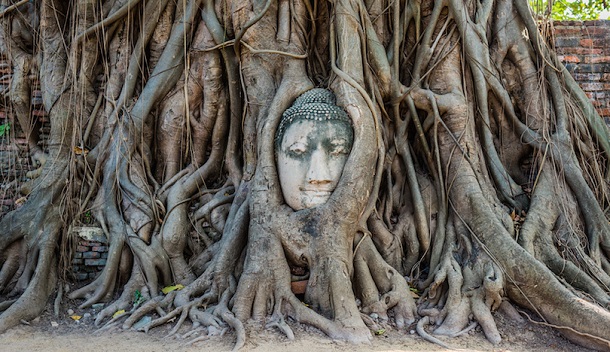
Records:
x=318, y=104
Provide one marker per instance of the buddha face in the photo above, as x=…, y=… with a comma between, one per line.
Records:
x=311, y=158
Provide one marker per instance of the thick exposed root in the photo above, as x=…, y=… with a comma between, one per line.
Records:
x=381, y=288
x=33, y=300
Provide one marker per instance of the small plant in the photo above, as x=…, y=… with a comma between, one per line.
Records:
x=87, y=217
x=138, y=298
x=4, y=128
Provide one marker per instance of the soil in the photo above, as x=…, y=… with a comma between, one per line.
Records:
x=54, y=334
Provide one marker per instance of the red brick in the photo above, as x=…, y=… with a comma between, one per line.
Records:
x=604, y=112
x=569, y=58
x=597, y=59
x=82, y=248
x=586, y=42
x=601, y=31
x=606, y=77
x=584, y=51
x=563, y=31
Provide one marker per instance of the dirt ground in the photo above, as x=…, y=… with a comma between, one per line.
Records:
x=55, y=334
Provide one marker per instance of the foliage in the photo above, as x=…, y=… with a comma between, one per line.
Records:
x=4, y=128
x=570, y=9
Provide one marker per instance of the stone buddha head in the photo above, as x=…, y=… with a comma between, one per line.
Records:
x=312, y=144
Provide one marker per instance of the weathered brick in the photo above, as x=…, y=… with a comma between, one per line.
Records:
x=586, y=42
x=81, y=276
x=105, y=255
x=598, y=31
x=606, y=77
x=587, y=76
x=78, y=255
x=569, y=58
x=77, y=261
x=604, y=112
x=91, y=255
x=100, y=249
x=567, y=42
x=597, y=59
x=592, y=86
x=82, y=248
x=583, y=51
x=567, y=31
x=590, y=68
x=95, y=262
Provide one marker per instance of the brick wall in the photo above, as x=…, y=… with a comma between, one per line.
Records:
x=14, y=155
x=584, y=47
x=91, y=252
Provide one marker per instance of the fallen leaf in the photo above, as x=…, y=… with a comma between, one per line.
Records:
x=169, y=289
x=77, y=317
x=81, y=151
x=118, y=312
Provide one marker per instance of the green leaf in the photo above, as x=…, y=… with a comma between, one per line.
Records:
x=138, y=298
x=570, y=9
x=4, y=128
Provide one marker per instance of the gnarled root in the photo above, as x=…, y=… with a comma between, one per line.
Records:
x=381, y=287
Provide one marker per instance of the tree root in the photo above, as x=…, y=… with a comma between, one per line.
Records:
x=422, y=332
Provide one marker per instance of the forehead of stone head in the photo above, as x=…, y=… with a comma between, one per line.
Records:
x=317, y=104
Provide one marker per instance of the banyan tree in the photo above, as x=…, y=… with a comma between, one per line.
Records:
x=374, y=148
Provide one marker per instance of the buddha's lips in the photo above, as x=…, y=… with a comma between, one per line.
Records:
x=317, y=193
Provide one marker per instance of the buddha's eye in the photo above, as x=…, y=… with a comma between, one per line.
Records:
x=339, y=148
x=297, y=149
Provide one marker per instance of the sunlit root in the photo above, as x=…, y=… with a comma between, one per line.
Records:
x=382, y=288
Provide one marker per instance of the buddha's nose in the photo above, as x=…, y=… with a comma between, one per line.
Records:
x=318, y=172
